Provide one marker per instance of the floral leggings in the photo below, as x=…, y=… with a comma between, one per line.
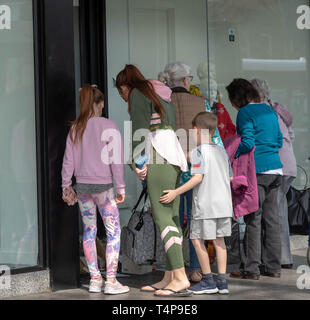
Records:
x=110, y=216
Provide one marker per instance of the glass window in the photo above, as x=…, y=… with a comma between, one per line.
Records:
x=260, y=39
x=150, y=34
x=240, y=38
x=18, y=178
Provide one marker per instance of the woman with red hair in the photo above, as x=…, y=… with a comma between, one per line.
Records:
x=150, y=107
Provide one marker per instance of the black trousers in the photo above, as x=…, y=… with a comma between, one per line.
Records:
x=262, y=241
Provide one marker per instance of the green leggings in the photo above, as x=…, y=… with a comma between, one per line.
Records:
x=166, y=216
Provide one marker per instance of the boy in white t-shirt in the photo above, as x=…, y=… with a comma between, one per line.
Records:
x=212, y=203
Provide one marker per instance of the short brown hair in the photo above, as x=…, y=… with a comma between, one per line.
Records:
x=205, y=120
x=241, y=92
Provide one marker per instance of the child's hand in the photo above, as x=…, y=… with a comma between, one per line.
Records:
x=120, y=198
x=69, y=196
x=169, y=196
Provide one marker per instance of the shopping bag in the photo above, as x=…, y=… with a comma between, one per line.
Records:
x=298, y=210
x=298, y=202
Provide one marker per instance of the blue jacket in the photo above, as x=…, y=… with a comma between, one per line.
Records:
x=258, y=126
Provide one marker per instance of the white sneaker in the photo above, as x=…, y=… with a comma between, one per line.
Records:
x=95, y=285
x=115, y=288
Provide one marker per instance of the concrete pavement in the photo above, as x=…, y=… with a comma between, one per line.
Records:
x=266, y=288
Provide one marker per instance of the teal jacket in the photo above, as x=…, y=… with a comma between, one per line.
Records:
x=258, y=126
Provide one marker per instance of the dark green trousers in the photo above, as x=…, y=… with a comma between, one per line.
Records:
x=166, y=216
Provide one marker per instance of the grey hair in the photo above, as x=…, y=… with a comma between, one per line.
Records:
x=174, y=74
x=262, y=87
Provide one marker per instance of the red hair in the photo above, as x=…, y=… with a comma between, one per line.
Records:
x=131, y=77
x=89, y=95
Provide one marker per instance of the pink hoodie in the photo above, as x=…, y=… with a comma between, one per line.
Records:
x=98, y=159
x=162, y=90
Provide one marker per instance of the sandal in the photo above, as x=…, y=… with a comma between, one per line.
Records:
x=143, y=290
x=181, y=293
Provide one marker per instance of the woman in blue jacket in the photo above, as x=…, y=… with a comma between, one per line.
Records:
x=258, y=126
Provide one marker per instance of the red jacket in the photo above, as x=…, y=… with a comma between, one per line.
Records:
x=225, y=125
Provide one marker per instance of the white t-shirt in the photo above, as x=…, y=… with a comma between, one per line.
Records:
x=278, y=172
x=212, y=197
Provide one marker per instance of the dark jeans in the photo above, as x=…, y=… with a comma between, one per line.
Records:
x=188, y=196
x=262, y=240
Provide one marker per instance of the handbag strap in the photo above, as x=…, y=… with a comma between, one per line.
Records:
x=151, y=261
x=143, y=193
x=142, y=211
x=305, y=172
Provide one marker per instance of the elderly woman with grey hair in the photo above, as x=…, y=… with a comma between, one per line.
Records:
x=288, y=160
x=178, y=76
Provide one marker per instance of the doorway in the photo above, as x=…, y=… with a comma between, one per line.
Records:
x=89, y=47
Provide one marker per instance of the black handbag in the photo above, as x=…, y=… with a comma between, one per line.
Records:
x=234, y=245
x=140, y=239
x=298, y=202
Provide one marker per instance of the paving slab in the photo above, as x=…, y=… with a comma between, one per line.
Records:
x=266, y=288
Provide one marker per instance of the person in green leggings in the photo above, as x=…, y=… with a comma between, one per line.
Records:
x=162, y=177
x=150, y=108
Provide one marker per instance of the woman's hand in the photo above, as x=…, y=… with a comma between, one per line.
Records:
x=69, y=196
x=120, y=198
x=169, y=196
x=141, y=174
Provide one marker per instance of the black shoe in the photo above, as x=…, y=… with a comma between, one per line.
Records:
x=252, y=276
x=243, y=275
x=287, y=266
x=237, y=274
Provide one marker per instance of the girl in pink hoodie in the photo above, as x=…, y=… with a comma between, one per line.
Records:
x=94, y=155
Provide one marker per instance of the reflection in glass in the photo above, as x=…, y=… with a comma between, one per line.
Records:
x=18, y=179
x=150, y=34
x=220, y=40
x=267, y=45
